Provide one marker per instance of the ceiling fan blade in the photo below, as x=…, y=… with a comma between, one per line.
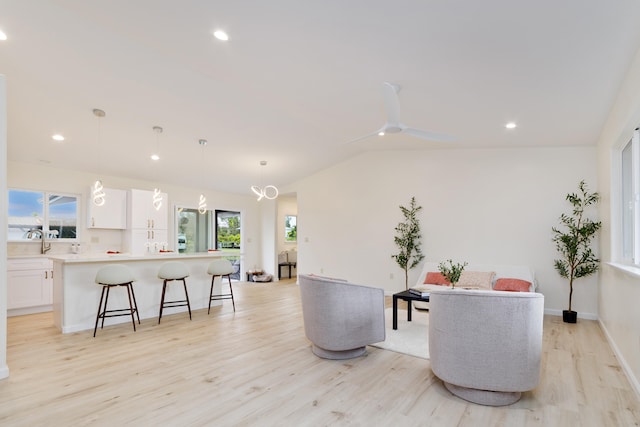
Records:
x=391, y=103
x=363, y=137
x=428, y=135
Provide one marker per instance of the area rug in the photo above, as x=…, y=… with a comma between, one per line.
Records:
x=410, y=338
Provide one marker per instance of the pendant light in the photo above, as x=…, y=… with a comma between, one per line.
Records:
x=97, y=188
x=202, y=202
x=269, y=192
x=157, y=194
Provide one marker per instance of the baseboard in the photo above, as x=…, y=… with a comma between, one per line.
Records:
x=29, y=310
x=625, y=367
x=4, y=372
x=586, y=316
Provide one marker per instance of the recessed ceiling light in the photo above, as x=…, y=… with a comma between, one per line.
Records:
x=221, y=35
x=510, y=125
x=380, y=133
x=155, y=157
x=58, y=137
x=3, y=36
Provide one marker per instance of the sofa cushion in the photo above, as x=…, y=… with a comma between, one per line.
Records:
x=436, y=278
x=512, y=284
x=476, y=279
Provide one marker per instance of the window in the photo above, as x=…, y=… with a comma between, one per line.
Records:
x=290, y=228
x=630, y=200
x=33, y=214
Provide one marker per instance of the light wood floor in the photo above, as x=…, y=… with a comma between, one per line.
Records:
x=255, y=367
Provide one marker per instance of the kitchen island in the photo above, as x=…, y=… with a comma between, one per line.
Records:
x=76, y=295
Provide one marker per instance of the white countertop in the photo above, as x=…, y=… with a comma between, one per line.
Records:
x=103, y=257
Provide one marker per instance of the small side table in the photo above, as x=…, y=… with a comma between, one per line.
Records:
x=407, y=296
x=289, y=264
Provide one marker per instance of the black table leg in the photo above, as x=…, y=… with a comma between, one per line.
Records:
x=395, y=312
x=409, y=310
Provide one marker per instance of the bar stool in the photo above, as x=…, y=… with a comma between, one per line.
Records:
x=222, y=268
x=173, y=270
x=108, y=277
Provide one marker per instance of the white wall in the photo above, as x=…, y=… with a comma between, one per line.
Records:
x=36, y=177
x=4, y=369
x=269, y=258
x=619, y=292
x=490, y=206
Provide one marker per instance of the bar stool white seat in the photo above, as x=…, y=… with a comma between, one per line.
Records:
x=110, y=276
x=169, y=271
x=222, y=268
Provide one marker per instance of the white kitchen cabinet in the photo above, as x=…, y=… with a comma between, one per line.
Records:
x=29, y=285
x=113, y=214
x=142, y=213
x=148, y=228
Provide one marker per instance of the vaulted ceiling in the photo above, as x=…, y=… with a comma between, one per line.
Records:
x=299, y=79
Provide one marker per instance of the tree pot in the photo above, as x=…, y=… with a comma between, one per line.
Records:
x=569, y=316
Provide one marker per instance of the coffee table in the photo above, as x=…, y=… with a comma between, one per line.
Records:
x=407, y=296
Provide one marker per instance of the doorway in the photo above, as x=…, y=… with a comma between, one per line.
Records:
x=228, y=237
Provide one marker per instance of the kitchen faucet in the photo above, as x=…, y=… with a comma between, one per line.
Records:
x=35, y=232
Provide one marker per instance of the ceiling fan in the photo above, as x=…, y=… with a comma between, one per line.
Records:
x=393, y=124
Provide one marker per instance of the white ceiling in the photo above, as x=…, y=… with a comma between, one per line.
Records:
x=300, y=78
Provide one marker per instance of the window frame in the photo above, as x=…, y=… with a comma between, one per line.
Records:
x=46, y=217
x=625, y=252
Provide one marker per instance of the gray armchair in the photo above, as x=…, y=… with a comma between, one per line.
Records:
x=486, y=346
x=341, y=318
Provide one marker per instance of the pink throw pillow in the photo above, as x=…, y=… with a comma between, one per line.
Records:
x=513, y=285
x=436, y=278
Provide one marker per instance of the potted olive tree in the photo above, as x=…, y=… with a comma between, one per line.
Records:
x=408, y=240
x=573, y=242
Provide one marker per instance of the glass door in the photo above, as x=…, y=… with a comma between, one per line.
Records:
x=228, y=237
x=195, y=231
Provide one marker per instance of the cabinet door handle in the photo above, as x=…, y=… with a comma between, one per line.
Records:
x=46, y=274
x=93, y=222
x=153, y=234
x=52, y=274
x=153, y=223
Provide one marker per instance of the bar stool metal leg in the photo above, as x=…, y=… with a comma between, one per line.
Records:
x=170, y=271
x=95, y=328
x=222, y=268
x=108, y=277
x=131, y=309
x=233, y=301
x=184, y=283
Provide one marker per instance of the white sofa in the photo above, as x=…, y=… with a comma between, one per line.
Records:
x=521, y=272
x=486, y=345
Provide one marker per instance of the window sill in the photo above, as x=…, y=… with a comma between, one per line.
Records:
x=629, y=269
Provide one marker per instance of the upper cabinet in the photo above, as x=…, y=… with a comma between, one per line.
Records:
x=148, y=231
x=142, y=213
x=112, y=214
